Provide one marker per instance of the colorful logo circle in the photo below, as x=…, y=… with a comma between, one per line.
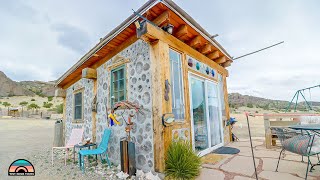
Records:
x=21, y=167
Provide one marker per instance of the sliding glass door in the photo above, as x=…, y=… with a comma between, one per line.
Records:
x=214, y=113
x=198, y=107
x=205, y=114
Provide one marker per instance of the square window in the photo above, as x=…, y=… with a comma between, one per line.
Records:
x=78, y=106
x=118, y=85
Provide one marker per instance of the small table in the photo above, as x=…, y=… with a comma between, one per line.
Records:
x=315, y=128
x=80, y=147
x=307, y=127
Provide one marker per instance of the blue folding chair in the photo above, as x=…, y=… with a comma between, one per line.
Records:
x=103, y=147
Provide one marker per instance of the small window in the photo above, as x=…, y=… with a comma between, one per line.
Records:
x=176, y=85
x=78, y=106
x=118, y=85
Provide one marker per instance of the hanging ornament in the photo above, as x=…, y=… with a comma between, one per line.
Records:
x=198, y=66
x=190, y=63
x=212, y=73
x=208, y=70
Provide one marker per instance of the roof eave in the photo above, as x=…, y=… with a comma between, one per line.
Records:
x=188, y=19
x=107, y=39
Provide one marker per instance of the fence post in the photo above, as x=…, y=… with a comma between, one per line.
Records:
x=267, y=130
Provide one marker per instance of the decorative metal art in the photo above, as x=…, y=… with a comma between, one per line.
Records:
x=126, y=105
x=166, y=90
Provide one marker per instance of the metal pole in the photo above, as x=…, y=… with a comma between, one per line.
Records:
x=254, y=162
x=295, y=107
x=258, y=50
x=291, y=101
x=310, y=87
x=306, y=101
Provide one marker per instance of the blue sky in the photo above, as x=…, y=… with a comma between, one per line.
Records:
x=41, y=39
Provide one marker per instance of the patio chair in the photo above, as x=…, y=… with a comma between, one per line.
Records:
x=102, y=148
x=299, y=143
x=75, y=137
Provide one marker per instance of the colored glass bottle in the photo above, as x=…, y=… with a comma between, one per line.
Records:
x=208, y=70
x=212, y=73
x=190, y=63
x=198, y=66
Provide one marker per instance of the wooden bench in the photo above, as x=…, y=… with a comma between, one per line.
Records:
x=277, y=120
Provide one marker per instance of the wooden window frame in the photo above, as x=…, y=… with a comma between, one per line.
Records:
x=181, y=79
x=82, y=108
x=117, y=68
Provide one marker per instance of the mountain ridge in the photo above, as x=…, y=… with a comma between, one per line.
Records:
x=25, y=88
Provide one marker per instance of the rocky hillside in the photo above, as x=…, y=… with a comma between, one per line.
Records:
x=38, y=87
x=12, y=88
x=238, y=100
x=24, y=88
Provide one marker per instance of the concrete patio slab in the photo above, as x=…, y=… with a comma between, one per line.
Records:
x=277, y=176
x=240, y=165
x=242, y=178
x=210, y=174
x=266, y=153
x=295, y=168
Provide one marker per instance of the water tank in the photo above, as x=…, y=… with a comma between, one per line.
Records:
x=58, y=134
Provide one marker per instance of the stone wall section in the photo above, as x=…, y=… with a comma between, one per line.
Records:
x=138, y=86
x=87, y=86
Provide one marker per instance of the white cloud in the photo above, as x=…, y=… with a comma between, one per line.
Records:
x=42, y=39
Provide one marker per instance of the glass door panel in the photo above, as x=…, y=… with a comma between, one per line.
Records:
x=198, y=106
x=214, y=114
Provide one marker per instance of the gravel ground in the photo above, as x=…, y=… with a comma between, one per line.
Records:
x=31, y=139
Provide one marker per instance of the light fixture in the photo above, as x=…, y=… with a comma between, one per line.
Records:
x=168, y=28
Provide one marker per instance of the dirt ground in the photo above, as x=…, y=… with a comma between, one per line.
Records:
x=240, y=129
x=32, y=139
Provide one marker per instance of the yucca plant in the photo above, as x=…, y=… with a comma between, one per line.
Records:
x=181, y=162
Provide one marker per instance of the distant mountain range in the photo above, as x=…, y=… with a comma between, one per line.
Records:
x=9, y=87
x=238, y=100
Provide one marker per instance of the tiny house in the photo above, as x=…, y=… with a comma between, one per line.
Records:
x=163, y=60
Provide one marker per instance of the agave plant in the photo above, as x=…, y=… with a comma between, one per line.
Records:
x=181, y=162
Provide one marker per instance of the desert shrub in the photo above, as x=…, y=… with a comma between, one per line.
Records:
x=250, y=105
x=33, y=106
x=59, y=108
x=50, y=98
x=23, y=103
x=33, y=99
x=6, y=104
x=39, y=93
x=265, y=107
x=47, y=105
x=231, y=105
x=181, y=162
